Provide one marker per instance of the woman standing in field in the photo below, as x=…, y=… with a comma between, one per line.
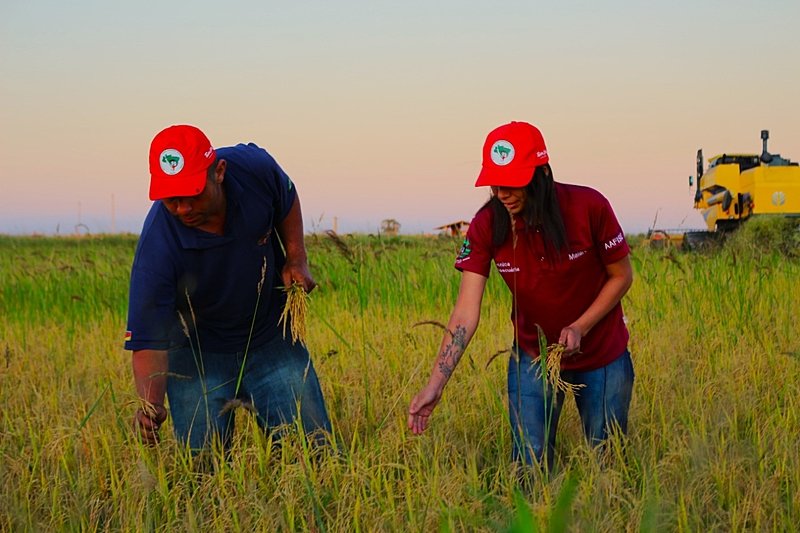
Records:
x=562, y=253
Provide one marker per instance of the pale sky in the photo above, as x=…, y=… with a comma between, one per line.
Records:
x=380, y=109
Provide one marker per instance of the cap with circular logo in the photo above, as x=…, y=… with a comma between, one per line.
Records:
x=179, y=159
x=510, y=154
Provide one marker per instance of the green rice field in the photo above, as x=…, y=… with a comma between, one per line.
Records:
x=713, y=444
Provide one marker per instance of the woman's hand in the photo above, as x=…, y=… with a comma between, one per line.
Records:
x=571, y=339
x=422, y=407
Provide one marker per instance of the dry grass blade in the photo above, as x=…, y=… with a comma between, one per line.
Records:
x=184, y=325
x=495, y=356
x=433, y=323
x=173, y=375
x=296, y=307
x=554, y=354
x=342, y=246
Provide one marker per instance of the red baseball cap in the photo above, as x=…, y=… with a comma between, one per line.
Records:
x=510, y=154
x=179, y=160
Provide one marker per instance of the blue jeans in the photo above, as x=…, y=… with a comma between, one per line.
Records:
x=533, y=411
x=277, y=379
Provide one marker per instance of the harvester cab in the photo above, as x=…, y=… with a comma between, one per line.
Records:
x=735, y=187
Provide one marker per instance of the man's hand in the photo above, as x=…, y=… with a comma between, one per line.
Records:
x=148, y=420
x=298, y=272
x=422, y=407
x=150, y=375
x=290, y=231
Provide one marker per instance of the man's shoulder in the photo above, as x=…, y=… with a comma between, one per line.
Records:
x=243, y=152
x=158, y=234
x=155, y=222
x=246, y=161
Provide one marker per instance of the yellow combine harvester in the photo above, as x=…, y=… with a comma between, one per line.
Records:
x=736, y=187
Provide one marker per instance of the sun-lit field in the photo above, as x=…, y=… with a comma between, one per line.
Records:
x=714, y=427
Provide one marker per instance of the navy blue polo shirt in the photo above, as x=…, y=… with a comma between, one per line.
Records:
x=188, y=284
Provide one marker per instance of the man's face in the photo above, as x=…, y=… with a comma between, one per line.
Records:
x=198, y=210
x=192, y=211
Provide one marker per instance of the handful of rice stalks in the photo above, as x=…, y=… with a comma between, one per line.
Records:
x=553, y=367
x=296, y=306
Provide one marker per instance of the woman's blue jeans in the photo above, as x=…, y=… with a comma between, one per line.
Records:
x=534, y=410
x=277, y=379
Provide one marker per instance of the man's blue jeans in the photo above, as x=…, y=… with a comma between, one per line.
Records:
x=277, y=378
x=534, y=410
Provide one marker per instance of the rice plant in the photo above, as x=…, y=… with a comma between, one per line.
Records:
x=295, y=313
x=712, y=433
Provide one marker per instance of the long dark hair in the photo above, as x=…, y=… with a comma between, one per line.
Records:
x=541, y=212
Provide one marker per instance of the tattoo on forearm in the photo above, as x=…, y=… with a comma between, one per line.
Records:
x=451, y=353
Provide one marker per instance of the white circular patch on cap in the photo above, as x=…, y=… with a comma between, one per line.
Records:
x=502, y=153
x=171, y=161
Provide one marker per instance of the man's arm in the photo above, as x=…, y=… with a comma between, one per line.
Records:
x=460, y=329
x=620, y=278
x=290, y=230
x=150, y=376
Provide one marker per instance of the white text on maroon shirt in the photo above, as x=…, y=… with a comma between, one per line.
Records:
x=616, y=241
x=505, y=266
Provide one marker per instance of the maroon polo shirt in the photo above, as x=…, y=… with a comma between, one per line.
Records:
x=555, y=293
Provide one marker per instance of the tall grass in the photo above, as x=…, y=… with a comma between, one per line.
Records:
x=713, y=424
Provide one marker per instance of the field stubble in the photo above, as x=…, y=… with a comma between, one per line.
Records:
x=713, y=431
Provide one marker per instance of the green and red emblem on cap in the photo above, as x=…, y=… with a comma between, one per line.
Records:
x=502, y=153
x=171, y=161
x=510, y=155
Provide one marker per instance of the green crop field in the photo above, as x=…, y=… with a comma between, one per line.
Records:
x=714, y=426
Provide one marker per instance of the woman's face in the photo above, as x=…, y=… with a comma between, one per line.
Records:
x=513, y=198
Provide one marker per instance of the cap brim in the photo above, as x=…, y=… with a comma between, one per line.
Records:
x=504, y=177
x=173, y=186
